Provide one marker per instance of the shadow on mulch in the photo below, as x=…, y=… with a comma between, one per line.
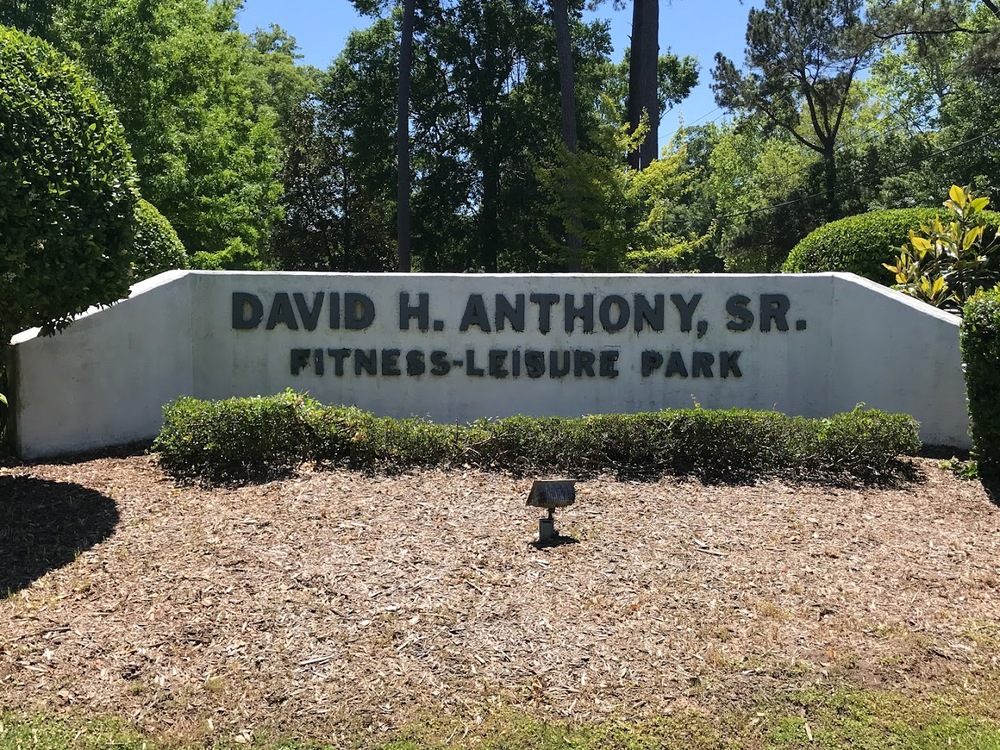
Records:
x=943, y=452
x=558, y=541
x=992, y=487
x=44, y=525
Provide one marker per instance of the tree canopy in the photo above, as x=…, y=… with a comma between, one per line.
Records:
x=520, y=140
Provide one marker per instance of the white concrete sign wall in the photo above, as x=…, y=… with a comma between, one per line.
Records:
x=459, y=347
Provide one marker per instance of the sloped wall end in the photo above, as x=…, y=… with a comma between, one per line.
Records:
x=103, y=381
x=900, y=355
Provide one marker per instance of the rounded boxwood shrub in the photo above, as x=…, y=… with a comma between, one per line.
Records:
x=980, y=340
x=156, y=246
x=861, y=244
x=67, y=182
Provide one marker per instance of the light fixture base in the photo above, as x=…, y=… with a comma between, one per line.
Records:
x=547, y=529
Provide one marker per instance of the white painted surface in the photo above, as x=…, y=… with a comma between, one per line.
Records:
x=105, y=379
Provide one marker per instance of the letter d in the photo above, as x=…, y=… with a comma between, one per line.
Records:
x=244, y=302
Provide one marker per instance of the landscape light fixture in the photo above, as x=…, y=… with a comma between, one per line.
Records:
x=551, y=494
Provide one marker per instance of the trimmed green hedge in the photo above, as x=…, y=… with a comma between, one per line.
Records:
x=980, y=337
x=861, y=244
x=254, y=438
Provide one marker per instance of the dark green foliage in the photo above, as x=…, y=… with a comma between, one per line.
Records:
x=235, y=439
x=335, y=218
x=861, y=244
x=485, y=129
x=30, y=16
x=736, y=444
x=523, y=444
x=856, y=439
x=243, y=439
x=336, y=433
x=392, y=445
x=66, y=181
x=980, y=336
x=156, y=246
x=4, y=407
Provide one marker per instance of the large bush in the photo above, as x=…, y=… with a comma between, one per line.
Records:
x=241, y=439
x=861, y=244
x=980, y=336
x=156, y=247
x=66, y=191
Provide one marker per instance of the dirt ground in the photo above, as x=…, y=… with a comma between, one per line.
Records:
x=334, y=599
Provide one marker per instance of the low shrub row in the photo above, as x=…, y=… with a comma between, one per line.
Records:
x=244, y=439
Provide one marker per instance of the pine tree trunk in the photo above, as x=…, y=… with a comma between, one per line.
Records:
x=567, y=84
x=830, y=174
x=567, y=90
x=642, y=94
x=489, y=210
x=403, y=139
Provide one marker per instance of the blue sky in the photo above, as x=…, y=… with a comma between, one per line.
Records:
x=688, y=27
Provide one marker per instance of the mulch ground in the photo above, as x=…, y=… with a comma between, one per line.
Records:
x=334, y=600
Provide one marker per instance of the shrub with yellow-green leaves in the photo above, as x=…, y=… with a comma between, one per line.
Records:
x=947, y=261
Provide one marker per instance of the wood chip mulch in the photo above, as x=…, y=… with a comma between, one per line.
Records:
x=333, y=600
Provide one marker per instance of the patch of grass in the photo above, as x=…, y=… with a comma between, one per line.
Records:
x=684, y=730
x=829, y=718
x=46, y=733
x=818, y=718
x=770, y=609
x=866, y=720
x=215, y=685
x=985, y=635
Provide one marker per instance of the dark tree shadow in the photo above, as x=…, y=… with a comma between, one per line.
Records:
x=45, y=525
x=992, y=487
